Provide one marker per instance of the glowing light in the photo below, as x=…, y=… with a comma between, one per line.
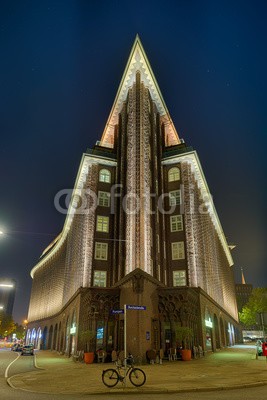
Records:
x=6, y=285
x=208, y=323
x=1, y=232
x=1, y=307
x=73, y=330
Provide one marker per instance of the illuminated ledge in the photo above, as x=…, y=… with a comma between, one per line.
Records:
x=86, y=162
x=193, y=160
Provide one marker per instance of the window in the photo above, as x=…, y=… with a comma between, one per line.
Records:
x=173, y=174
x=175, y=197
x=104, y=176
x=101, y=251
x=176, y=222
x=103, y=199
x=178, y=250
x=100, y=278
x=102, y=224
x=179, y=278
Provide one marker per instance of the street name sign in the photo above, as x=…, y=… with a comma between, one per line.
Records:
x=131, y=307
x=117, y=311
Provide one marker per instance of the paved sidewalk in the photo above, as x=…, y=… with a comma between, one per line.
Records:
x=229, y=368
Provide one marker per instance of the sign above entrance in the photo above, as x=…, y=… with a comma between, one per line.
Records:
x=117, y=311
x=130, y=307
x=73, y=330
x=208, y=323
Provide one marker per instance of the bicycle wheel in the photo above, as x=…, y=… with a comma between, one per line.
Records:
x=137, y=377
x=110, y=377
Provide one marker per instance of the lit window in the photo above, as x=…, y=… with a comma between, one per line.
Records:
x=179, y=278
x=100, y=278
x=103, y=199
x=175, y=197
x=174, y=174
x=102, y=224
x=104, y=176
x=176, y=222
x=101, y=251
x=178, y=250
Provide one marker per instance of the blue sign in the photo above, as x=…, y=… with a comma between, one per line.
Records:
x=117, y=311
x=129, y=307
x=147, y=335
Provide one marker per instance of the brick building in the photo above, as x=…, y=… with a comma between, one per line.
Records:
x=141, y=229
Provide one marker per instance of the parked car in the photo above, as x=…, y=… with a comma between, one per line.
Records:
x=27, y=350
x=16, y=347
x=247, y=339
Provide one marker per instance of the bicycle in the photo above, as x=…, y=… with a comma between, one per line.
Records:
x=111, y=376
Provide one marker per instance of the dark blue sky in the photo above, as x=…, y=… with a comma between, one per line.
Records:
x=60, y=66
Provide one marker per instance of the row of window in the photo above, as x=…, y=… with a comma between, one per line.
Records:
x=173, y=175
x=178, y=251
x=102, y=223
x=174, y=198
x=100, y=278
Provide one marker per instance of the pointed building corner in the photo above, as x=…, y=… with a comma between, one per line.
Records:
x=138, y=61
x=243, y=277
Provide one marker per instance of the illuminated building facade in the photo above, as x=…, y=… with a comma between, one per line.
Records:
x=141, y=229
x=7, y=295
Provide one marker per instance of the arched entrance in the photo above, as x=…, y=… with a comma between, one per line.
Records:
x=60, y=339
x=209, y=330
x=67, y=337
x=33, y=337
x=28, y=336
x=216, y=332
x=44, y=341
x=39, y=338
x=55, y=338
x=73, y=334
x=222, y=332
x=50, y=338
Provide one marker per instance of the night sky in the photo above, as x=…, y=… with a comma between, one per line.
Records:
x=60, y=66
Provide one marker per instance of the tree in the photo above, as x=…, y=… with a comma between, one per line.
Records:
x=184, y=335
x=87, y=339
x=19, y=331
x=257, y=305
x=7, y=325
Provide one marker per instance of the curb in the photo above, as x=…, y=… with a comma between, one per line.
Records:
x=134, y=391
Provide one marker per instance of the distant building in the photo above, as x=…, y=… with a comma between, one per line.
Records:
x=7, y=295
x=141, y=230
x=243, y=291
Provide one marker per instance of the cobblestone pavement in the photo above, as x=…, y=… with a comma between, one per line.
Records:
x=228, y=368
